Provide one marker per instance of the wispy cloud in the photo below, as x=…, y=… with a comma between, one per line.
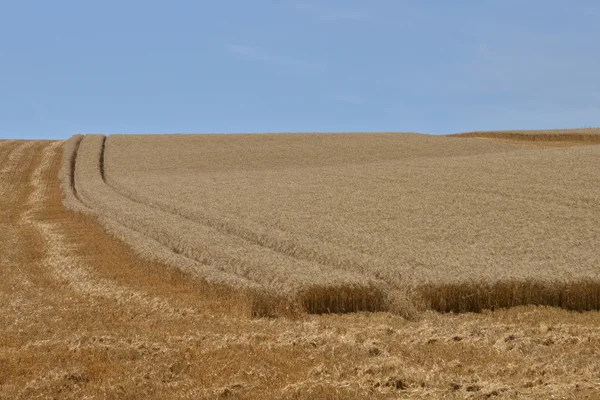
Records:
x=329, y=12
x=256, y=54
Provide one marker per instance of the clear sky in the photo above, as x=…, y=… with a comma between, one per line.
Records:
x=76, y=66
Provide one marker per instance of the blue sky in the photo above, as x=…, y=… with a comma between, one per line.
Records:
x=287, y=66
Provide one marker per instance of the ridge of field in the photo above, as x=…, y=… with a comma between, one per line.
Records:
x=82, y=317
x=344, y=222
x=550, y=137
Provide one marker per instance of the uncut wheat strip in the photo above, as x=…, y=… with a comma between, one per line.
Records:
x=580, y=294
x=591, y=135
x=296, y=245
x=532, y=132
x=292, y=244
x=301, y=247
x=445, y=272
x=441, y=286
x=227, y=253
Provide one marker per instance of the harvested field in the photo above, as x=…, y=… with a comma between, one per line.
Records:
x=335, y=223
x=82, y=316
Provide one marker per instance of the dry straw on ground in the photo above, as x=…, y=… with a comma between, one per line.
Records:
x=334, y=223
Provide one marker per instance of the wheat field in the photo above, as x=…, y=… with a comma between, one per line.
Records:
x=552, y=137
x=132, y=267
x=349, y=222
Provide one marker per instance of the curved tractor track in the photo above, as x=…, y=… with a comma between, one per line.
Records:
x=217, y=257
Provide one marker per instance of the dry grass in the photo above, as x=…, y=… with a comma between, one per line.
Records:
x=334, y=223
x=81, y=316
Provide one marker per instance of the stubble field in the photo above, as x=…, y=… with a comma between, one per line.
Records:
x=150, y=286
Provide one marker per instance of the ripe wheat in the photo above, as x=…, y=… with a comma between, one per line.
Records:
x=574, y=136
x=329, y=222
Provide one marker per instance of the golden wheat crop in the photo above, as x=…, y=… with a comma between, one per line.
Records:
x=345, y=222
x=556, y=137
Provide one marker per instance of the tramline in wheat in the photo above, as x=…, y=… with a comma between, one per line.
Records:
x=350, y=222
